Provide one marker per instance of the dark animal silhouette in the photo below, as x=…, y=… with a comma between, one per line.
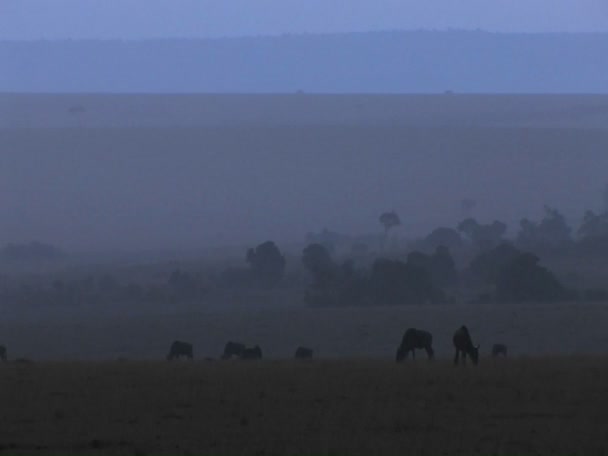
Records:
x=179, y=349
x=252, y=353
x=499, y=349
x=415, y=338
x=3, y=353
x=464, y=344
x=303, y=353
x=233, y=349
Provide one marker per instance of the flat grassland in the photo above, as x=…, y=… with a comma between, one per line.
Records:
x=518, y=406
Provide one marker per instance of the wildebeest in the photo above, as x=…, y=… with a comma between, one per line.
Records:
x=412, y=339
x=303, y=353
x=252, y=353
x=233, y=349
x=499, y=349
x=2, y=352
x=179, y=349
x=463, y=343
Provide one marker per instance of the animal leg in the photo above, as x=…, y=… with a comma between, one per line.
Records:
x=456, y=357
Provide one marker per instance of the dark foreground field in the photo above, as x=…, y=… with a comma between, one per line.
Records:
x=524, y=406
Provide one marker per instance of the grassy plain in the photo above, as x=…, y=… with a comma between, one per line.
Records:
x=521, y=406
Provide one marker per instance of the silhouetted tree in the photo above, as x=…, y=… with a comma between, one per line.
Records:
x=267, y=264
x=487, y=265
x=447, y=237
x=394, y=282
x=389, y=220
x=329, y=239
x=443, y=268
x=440, y=266
x=317, y=260
x=522, y=279
x=484, y=236
x=551, y=231
x=593, y=225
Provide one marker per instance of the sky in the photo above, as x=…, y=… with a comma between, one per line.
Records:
x=141, y=19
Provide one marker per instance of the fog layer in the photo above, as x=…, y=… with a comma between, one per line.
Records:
x=182, y=187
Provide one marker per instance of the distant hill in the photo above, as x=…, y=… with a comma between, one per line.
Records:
x=379, y=62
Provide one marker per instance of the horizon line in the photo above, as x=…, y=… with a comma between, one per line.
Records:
x=305, y=34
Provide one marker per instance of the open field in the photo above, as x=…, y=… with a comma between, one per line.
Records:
x=208, y=110
x=519, y=406
x=160, y=171
x=97, y=334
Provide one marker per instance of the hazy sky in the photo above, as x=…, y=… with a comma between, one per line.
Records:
x=53, y=19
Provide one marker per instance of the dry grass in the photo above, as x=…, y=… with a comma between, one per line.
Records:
x=523, y=406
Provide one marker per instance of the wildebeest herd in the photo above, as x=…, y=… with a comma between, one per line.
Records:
x=412, y=339
x=417, y=338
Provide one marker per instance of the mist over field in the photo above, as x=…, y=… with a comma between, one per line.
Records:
x=188, y=172
x=275, y=227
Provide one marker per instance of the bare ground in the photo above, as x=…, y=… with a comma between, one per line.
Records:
x=521, y=406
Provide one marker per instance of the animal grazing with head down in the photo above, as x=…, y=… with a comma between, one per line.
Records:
x=464, y=344
x=179, y=349
x=303, y=353
x=233, y=349
x=252, y=353
x=413, y=339
x=499, y=349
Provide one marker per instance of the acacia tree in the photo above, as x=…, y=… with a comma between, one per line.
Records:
x=389, y=220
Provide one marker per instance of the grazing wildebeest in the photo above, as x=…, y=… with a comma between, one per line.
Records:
x=415, y=338
x=233, y=349
x=2, y=352
x=252, y=353
x=463, y=343
x=499, y=349
x=179, y=349
x=303, y=353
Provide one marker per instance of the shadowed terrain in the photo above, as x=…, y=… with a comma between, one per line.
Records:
x=520, y=406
